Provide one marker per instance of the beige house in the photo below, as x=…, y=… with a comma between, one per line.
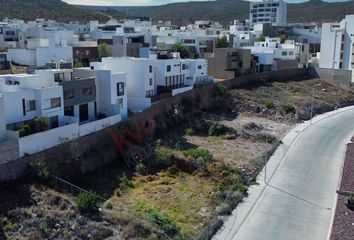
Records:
x=228, y=63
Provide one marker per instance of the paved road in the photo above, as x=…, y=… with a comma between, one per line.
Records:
x=299, y=201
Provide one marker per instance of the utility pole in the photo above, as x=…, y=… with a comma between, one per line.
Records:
x=312, y=102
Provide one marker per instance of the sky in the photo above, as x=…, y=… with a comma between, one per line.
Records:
x=145, y=2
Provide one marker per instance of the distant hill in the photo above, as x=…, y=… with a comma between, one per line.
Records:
x=227, y=10
x=48, y=9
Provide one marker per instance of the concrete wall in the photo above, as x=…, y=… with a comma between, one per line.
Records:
x=138, y=104
x=92, y=127
x=93, y=151
x=9, y=151
x=338, y=77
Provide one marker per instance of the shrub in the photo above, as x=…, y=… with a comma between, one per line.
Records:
x=189, y=131
x=38, y=169
x=125, y=182
x=78, y=65
x=268, y=102
x=199, y=153
x=163, y=155
x=109, y=205
x=240, y=187
x=288, y=108
x=216, y=130
x=86, y=202
x=220, y=187
x=41, y=124
x=25, y=130
x=141, y=169
x=223, y=89
x=168, y=225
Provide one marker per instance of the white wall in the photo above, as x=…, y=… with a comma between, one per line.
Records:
x=88, y=128
x=56, y=54
x=181, y=90
x=44, y=140
x=138, y=104
x=22, y=56
x=2, y=119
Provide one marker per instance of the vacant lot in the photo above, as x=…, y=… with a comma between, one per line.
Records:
x=184, y=181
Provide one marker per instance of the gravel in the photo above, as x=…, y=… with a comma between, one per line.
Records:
x=343, y=224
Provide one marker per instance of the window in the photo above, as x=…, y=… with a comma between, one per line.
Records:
x=120, y=103
x=84, y=112
x=58, y=77
x=168, y=68
x=55, y=102
x=291, y=53
x=149, y=94
x=199, y=66
x=69, y=111
x=120, y=89
x=150, y=82
x=87, y=91
x=68, y=94
x=184, y=66
x=284, y=53
x=87, y=52
x=30, y=105
x=150, y=68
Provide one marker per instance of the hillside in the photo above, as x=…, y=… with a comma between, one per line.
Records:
x=48, y=9
x=227, y=10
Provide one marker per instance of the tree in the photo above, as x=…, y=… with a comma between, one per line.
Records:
x=78, y=65
x=104, y=50
x=261, y=38
x=183, y=50
x=222, y=42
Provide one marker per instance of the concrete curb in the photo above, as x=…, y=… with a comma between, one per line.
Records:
x=235, y=221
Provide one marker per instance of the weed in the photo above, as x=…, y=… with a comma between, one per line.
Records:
x=216, y=130
x=197, y=153
x=163, y=155
x=268, y=102
x=189, y=131
x=109, y=205
x=125, y=182
x=86, y=202
x=288, y=108
x=38, y=170
x=141, y=169
x=161, y=219
x=240, y=187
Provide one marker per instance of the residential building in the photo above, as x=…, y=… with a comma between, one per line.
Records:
x=140, y=79
x=337, y=44
x=128, y=45
x=228, y=63
x=268, y=11
x=29, y=96
x=85, y=52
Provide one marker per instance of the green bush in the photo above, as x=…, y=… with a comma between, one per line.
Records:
x=41, y=124
x=125, y=182
x=163, y=220
x=223, y=89
x=288, y=108
x=109, y=205
x=38, y=170
x=141, y=169
x=240, y=187
x=86, y=202
x=25, y=130
x=216, y=130
x=78, y=65
x=268, y=102
x=220, y=187
x=163, y=155
x=189, y=131
x=199, y=153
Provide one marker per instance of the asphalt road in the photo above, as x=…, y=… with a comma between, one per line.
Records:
x=299, y=199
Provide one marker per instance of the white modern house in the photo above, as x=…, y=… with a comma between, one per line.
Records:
x=140, y=79
x=273, y=55
x=111, y=93
x=337, y=44
x=268, y=11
